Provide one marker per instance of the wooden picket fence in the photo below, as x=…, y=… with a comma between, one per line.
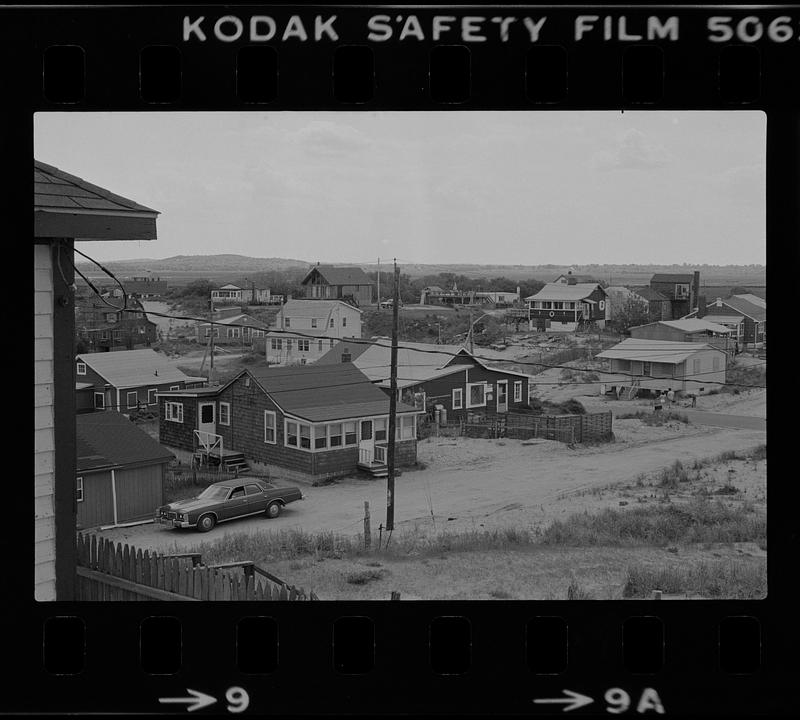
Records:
x=112, y=571
x=591, y=427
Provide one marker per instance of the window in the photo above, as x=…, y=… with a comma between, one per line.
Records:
x=104, y=334
x=303, y=345
x=291, y=433
x=79, y=489
x=253, y=489
x=174, y=411
x=287, y=322
x=458, y=398
x=405, y=427
x=335, y=434
x=331, y=325
x=276, y=343
x=320, y=437
x=332, y=343
x=81, y=368
x=152, y=398
x=288, y=343
x=305, y=436
x=111, y=317
x=258, y=333
x=319, y=347
x=313, y=322
x=224, y=413
x=547, y=305
x=558, y=305
x=234, y=332
x=380, y=429
x=366, y=429
x=344, y=322
x=174, y=387
x=302, y=361
x=646, y=369
x=476, y=394
x=237, y=492
x=207, y=413
x=99, y=401
x=132, y=399
x=518, y=391
x=350, y=437
x=269, y=427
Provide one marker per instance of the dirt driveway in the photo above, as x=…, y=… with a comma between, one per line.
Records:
x=473, y=482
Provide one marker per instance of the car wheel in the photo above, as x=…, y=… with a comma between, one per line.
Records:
x=273, y=509
x=205, y=523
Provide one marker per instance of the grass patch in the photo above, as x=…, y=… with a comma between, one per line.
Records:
x=576, y=592
x=671, y=477
x=742, y=377
x=719, y=579
x=362, y=577
x=500, y=595
x=698, y=521
x=656, y=419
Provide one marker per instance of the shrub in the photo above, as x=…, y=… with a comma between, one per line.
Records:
x=720, y=579
x=572, y=407
x=362, y=577
x=576, y=592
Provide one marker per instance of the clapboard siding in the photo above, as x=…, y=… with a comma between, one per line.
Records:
x=139, y=491
x=97, y=507
x=44, y=430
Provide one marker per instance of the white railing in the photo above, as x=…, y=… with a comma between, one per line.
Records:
x=365, y=455
x=380, y=454
x=208, y=441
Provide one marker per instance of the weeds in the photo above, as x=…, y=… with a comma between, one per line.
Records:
x=363, y=577
x=718, y=579
x=656, y=418
x=576, y=592
x=672, y=476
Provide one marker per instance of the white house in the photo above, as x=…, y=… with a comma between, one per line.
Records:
x=306, y=329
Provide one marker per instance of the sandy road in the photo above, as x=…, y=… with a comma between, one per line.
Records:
x=486, y=483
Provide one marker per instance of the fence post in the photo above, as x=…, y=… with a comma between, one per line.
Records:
x=367, y=530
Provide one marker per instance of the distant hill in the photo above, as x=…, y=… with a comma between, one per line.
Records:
x=182, y=268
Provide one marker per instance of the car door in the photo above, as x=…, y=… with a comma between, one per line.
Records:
x=235, y=505
x=256, y=498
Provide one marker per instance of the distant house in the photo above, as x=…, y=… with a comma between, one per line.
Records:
x=570, y=278
x=328, y=282
x=687, y=330
x=239, y=329
x=101, y=325
x=305, y=330
x=233, y=294
x=640, y=364
x=130, y=380
x=434, y=295
x=302, y=423
x=567, y=306
x=120, y=471
x=431, y=376
x=656, y=305
x=748, y=319
x=145, y=286
x=681, y=289
x=502, y=298
x=65, y=207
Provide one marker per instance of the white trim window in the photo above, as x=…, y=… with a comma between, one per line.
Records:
x=79, y=489
x=320, y=437
x=313, y=322
x=173, y=411
x=381, y=429
x=174, y=387
x=458, y=398
x=335, y=435
x=80, y=368
x=303, y=345
x=276, y=343
x=350, y=434
x=476, y=394
x=405, y=427
x=270, y=424
x=287, y=322
x=99, y=401
x=517, y=390
x=135, y=402
x=224, y=413
x=152, y=396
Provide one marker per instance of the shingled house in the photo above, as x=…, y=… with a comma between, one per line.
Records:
x=102, y=325
x=746, y=318
x=65, y=207
x=328, y=282
x=566, y=306
x=305, y=423
x=681, y=289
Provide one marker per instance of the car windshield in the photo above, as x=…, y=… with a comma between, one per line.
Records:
x=214, y=492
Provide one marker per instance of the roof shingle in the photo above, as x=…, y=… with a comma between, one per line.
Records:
x=109, y=439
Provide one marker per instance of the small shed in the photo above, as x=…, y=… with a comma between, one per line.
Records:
x=120, y=471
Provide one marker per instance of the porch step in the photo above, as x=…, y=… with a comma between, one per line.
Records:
x=375, y=469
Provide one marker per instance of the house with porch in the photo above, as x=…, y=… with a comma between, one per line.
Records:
x=129, y=380
x=638, y=364
x=249, y=295
x=688, y=330
x=328, y=282
x=120, y=471
x=447, y=378
x=567, y=306
x=305, y=330
x=241, y=329
x=747, y=319
x=307, y=423
x=65, y=207
x=101, y=324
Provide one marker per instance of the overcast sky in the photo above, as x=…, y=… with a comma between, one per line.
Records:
x=469, y=187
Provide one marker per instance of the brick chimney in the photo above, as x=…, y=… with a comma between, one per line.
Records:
x=570, y=278
x=701, y=306
x=695, y=294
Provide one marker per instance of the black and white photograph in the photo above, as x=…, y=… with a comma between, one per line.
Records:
x=412, y=355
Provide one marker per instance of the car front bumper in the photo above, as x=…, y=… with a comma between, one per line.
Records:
x=173, y=523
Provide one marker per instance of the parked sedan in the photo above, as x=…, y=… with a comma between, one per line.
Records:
x=227, y=500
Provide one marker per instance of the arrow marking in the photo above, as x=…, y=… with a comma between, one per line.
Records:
x=197, y=701
x=573, y=701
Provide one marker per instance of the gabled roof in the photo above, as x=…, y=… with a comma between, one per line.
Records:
x=691, y=325
x=68, y=206
x=753, y=299
x=663, y=351
x=135, y=368
x=560, y=291
x=744, y=307
x=228, y=287
x=672, y=277
x=242, y=319
x=323, y=393
x=109, y=439
x=649, y=294
x=313, y=308
x=340, y=275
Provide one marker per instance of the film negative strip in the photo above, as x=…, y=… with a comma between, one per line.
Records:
x=517, y=581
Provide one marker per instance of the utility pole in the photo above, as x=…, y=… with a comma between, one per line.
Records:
x=211, y=366
x=379, y=283
x=392, y=405
x=470, y=331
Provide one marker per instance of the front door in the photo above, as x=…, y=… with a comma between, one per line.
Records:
x=206, y=418
x=366, y=442
x=502, y=396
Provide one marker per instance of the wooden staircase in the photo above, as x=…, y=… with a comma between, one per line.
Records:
x=376, y=469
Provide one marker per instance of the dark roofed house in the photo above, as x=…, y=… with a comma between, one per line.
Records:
x=681, y=289
x=66, y=208
x=120, y=471
x=748, y=319
x=328, y=282
x=305, y=423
